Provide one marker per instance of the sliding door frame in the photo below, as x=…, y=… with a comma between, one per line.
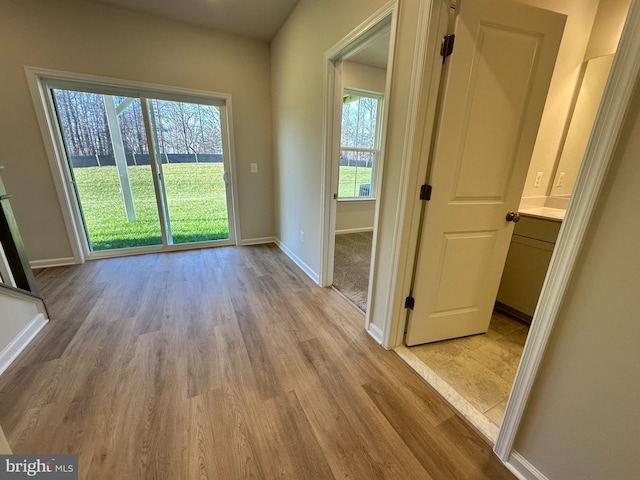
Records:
x=40, y=81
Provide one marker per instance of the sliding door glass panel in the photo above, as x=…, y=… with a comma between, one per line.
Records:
x=106, y=147
x=189, y=154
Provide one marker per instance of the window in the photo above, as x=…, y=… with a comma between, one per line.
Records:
x=147, y=171
x=359, y=144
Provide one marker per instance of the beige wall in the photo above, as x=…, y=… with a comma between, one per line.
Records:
x=356, y=215
x=93, y=38
x=583, y=419
x=298, y=86
x=603, y=43
x=364, y=77
x=580, y=16
x=16, y=315
x=607, y=28
x=589, y=33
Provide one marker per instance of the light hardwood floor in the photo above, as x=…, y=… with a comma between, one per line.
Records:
x=224, y=363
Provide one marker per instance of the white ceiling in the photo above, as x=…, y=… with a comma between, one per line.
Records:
x=375, y=54
x=258, y=19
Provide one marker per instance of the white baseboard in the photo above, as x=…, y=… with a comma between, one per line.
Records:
x=375, y=332
x=521, y=468
x=53, y=262
x=303, y=266
x=257, y=241
x=354, y=230
x=18, y=344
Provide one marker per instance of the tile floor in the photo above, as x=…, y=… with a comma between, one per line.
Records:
x=480, y=369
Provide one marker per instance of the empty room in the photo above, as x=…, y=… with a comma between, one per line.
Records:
x=233, y=232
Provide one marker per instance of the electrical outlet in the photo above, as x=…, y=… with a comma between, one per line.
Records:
x=536, y=183
x=254, y=168
x=301, y=236
x=560, y=179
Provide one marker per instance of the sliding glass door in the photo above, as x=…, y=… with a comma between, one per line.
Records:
x=189, y=154
x=146, y=172
x=107, y=152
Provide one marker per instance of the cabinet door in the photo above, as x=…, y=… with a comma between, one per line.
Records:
x=524, y=273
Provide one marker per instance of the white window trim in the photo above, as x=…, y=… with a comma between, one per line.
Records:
x=378, y=143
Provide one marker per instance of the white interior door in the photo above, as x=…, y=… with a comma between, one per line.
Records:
x=495, y=91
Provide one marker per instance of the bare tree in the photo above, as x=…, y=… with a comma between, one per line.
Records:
x=181, y=127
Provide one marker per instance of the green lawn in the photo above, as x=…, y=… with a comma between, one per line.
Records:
x=195, y=196
x=348, y=185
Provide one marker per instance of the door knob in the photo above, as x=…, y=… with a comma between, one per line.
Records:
x=513, y=217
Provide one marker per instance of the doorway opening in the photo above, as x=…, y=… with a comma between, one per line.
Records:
x=360, y=133
x=476, y=372
x=357, y=104
x=145, y=170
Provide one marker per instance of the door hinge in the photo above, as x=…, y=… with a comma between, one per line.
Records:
x=409, y=302
x=425, y=192
x=446, y=48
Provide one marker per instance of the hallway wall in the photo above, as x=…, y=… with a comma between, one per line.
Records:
x=583, y=420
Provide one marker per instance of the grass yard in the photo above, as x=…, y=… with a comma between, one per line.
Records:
x=195, y=196
x=350, y=180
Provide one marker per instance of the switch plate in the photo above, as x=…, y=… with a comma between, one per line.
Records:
x=254, y=168
x=301, y=236
x=560, y=179
x=536, y=183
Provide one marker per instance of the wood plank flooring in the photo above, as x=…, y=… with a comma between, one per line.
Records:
x=224, y=363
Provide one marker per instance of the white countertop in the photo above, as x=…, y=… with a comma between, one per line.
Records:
x=546, y=213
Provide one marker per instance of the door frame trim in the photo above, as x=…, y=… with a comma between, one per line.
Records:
x=37, y=80
x=433, y=20
x=357, y=39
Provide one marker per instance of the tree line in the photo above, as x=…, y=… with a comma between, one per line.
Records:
x=359, y=121
x=180, y=127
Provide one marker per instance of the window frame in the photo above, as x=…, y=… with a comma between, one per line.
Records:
x=377, y=143
x=41, y=81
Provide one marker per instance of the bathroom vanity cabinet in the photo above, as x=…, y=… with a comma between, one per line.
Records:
x=527, y=263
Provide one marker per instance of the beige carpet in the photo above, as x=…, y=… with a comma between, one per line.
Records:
x=351, y=266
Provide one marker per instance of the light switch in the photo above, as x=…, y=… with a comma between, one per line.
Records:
x=254, y=168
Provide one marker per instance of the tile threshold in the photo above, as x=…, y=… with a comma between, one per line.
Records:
x=466, y=409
